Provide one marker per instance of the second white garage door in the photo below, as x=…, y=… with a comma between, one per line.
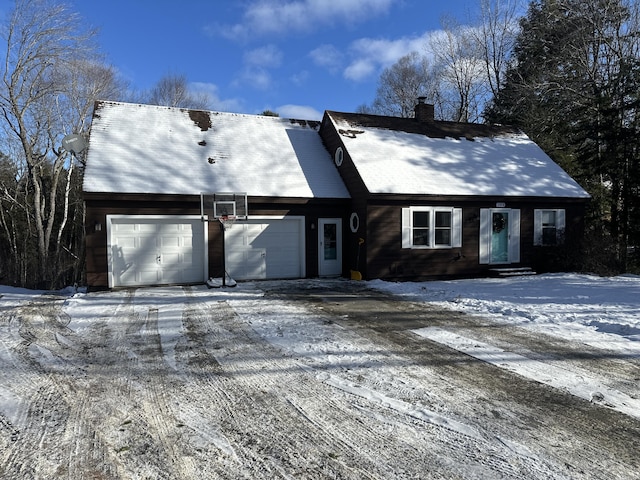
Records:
x=263, y=248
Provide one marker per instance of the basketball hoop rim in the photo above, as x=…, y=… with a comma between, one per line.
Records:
x=227, y=220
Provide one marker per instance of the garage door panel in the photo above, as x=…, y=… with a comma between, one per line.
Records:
x=245, y=263
x=167, y=241
x=126, y=242
x=147, y=277
x=124, y=228
x=145, y=227
x=168, y=259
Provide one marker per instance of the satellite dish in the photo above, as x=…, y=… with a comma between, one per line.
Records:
x=74, y=143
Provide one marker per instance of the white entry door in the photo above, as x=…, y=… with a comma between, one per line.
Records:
x=330, y=247
x=155, y=250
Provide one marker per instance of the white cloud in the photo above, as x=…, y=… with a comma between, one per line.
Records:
x=257, y=63
x=300, y=78
x=301, y=112
x=265, y=17
x=255, y=77
x=268, y=56
x=369, y=56
x=327, y=56
x=217, y=103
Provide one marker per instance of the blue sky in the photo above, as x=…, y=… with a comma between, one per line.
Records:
x=297, y=57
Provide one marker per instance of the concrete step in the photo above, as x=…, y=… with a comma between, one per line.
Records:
x=512, y=271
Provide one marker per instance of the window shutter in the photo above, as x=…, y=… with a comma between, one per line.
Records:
x=514, y=241
x=560, y=225
x=537, y=227
x=456, y=228
x=485, y=235
x=406, y=228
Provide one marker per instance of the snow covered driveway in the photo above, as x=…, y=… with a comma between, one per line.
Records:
x=303, y=379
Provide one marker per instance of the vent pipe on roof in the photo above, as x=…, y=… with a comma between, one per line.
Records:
x=424, y=111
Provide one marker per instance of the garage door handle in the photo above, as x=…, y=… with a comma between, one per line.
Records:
x=158, y=258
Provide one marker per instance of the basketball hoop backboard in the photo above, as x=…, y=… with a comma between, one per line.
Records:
x=224, y=204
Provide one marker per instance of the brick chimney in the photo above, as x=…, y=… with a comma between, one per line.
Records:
x=423, y=111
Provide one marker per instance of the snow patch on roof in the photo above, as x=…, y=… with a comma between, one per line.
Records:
x=398, y=162
x=152, y=149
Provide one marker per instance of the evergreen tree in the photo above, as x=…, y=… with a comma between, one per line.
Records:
x=573, y=87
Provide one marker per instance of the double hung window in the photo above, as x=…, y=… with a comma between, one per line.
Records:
x=549, y=226
x=431, y=227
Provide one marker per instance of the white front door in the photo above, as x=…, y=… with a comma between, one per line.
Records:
x=329, y=247
x=499, y=235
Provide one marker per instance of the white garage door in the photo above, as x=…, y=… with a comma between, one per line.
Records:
x=155, y=250
x=265, y=248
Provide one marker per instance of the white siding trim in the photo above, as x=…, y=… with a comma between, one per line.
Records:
x=485, y=236
x=514, y=240
x=406, y=228
x=537, y=227
x=561, y=221
x=456, y=228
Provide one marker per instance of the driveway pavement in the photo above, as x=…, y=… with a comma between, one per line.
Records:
x=299, y=379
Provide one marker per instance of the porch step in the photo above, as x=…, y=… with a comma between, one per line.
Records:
x=512, y=272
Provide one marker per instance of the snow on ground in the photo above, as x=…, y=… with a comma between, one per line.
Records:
x=600, y=311
x=603, y=313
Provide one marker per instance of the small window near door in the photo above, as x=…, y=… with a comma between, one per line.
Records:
x=330, y=241
x=431, y=227
x=549, y=227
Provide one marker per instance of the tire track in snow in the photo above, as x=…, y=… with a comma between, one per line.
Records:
x=522, y=415
x=568, y=379
x=457, y=442
x=39, y=415
x=281, y=392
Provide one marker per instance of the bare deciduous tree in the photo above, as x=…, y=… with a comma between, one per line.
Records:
x=401, y=84
x=458, y=59
x=173, y=91
x=462, y=67
x=496, y=35
x=49, y=84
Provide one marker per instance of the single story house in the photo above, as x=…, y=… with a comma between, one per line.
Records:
x=388, y=197
x=441, y=199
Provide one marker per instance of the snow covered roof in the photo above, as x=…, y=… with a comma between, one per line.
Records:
x=404, y=156
x=152, y=149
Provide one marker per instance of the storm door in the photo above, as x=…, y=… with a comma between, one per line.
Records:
x=500, y=236
x=330, y=246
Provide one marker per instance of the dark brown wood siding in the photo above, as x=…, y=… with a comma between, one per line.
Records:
x=98, y=206
x=354, y=253
x=386, y=259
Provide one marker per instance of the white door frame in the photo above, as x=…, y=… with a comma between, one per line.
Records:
x=486, y=235
x=332, y=265
x=111, y=218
